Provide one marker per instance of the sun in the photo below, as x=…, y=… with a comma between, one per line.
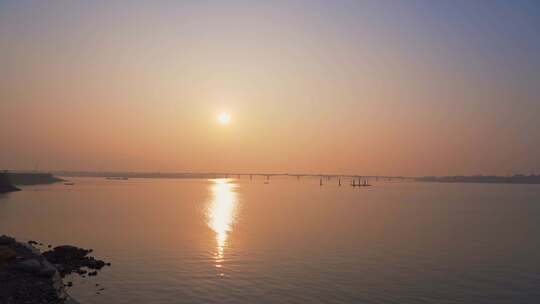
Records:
x=224, y=118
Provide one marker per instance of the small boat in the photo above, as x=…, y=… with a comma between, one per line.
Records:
x=117, y=178
x=69, y=184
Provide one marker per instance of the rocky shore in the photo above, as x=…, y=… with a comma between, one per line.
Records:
x=31, y=277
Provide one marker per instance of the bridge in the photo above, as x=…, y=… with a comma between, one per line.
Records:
x=355, y=179
x=321, y=176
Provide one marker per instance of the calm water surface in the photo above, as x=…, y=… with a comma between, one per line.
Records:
x=241, y=241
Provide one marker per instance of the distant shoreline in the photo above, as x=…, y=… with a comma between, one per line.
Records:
x=483, y=179
x=36, y=178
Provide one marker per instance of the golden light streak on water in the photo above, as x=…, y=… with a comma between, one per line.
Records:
x=221, y=215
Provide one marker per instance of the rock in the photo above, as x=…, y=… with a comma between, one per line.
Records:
x=6, y=254
x=6, y=240
x=47, y=270
x=26, y=276
x=31, y=248
x=95, y=264
x=66, y=252
x=70, y=259
x=81, y=271
x=30, y=266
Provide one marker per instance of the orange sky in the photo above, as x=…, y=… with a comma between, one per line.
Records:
x=320, y=87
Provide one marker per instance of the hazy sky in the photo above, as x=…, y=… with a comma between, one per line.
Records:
x=367, y=87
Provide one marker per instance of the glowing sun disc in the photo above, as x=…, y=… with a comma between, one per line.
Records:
x=224, y=118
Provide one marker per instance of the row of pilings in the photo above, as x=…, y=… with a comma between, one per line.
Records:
x=362, y=182
x=355, y=181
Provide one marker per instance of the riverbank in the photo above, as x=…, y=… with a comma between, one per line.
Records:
x=5, y=184
x=31, y=277
x=30, y=178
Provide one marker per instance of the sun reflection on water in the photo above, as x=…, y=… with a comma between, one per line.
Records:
x=221, y=215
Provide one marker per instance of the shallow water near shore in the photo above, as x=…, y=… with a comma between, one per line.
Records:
x=289, y=241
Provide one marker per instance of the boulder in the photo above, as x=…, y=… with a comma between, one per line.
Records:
x=30, y=266
x=6, y=240
x=70, y=259
x=6, y=254
x=47, y=269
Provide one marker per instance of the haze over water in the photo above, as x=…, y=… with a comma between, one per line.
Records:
x=241, y=241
